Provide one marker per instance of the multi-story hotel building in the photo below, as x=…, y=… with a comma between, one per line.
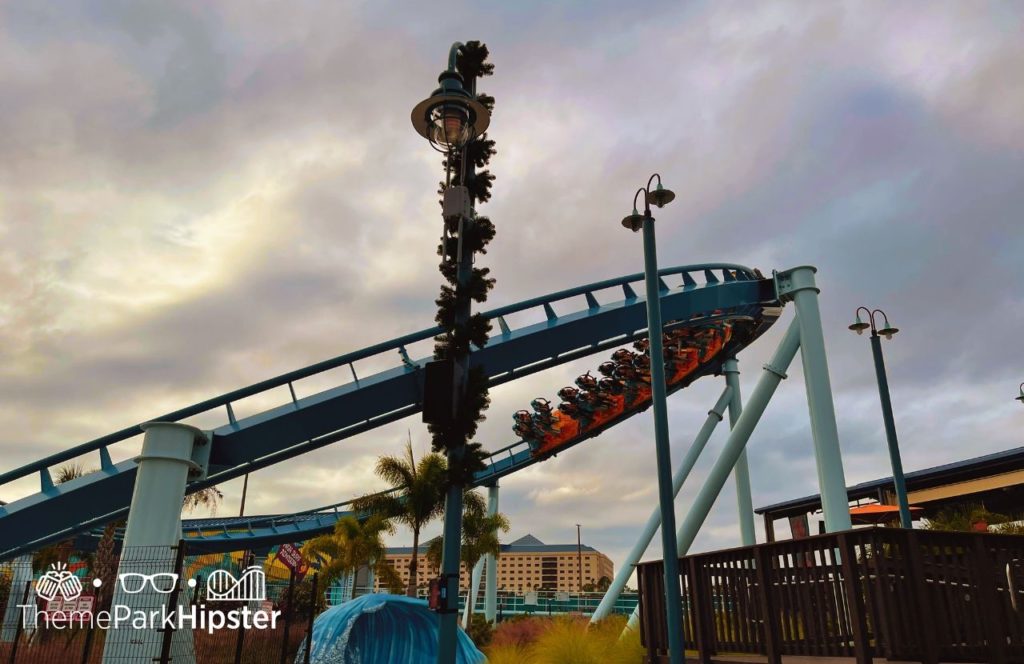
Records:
x=525, y=564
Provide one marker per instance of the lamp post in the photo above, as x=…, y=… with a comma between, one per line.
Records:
x=449, y=119
x=1021, y=397
x=579, y=558
x=635, y=222
x=886, y=331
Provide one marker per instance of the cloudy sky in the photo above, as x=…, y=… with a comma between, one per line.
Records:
x=196, y=196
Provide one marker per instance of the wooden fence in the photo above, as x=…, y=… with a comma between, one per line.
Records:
x=910, y=595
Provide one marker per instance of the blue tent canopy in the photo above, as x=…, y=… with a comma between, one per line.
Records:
x=381, y=629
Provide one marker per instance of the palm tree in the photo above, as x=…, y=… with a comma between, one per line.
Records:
x=479, y=535
x=354, y=544
x=417, y=497
x=210, y=497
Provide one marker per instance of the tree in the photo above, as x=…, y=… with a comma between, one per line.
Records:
x=210, y=497
x=965, y=518
x=479, y=535
x=418, y=500
x=354, y=543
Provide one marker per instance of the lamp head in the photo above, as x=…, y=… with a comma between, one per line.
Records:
x=1021, y=397
x=888, y=330
x=633, y=222
x=859, y=326
x=660, y=197
x=451, y=116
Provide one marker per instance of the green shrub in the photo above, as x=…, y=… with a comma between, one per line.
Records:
x=480, y=630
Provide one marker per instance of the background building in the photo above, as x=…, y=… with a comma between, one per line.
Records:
x=525, y=564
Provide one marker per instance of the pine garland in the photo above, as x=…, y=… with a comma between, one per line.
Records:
x=458, y=339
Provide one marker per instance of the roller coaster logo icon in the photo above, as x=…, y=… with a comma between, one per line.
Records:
x=250, y=587
x=58, y=581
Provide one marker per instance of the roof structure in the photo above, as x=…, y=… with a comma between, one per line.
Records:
x=525, y=544
x=999, y=470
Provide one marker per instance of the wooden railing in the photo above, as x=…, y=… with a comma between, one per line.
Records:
x=911, y=595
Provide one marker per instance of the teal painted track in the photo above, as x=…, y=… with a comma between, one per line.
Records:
x=573, y=323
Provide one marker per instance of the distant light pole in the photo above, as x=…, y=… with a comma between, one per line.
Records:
x=883, y=392
x=579, y=557
x=1021, y=397
x=635, y=222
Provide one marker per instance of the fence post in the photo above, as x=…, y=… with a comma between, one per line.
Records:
x=995, y=632
x=172, y=603
x=288, y=617
x=88, y=641
x=847, y=559
x=238, y=645
x=21, y=620
x=700, y=618
x=312, y=615
x=926, y=622
x=769, y=608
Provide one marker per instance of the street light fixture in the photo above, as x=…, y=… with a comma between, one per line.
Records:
x=451, y=116
x=660, y=197
x=887, y=330
x=1021, y=397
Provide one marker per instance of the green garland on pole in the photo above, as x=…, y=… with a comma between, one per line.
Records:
x=458, y=339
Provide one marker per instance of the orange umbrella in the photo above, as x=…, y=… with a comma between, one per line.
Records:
x=876, y=514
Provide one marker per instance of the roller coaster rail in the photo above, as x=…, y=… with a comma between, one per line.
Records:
x=305, y=424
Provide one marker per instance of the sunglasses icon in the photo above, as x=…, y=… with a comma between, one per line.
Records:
x=133, y=583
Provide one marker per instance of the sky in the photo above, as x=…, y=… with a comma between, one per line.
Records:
x=196, y=196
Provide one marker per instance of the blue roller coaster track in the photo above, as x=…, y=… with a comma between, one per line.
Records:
x=303, y=424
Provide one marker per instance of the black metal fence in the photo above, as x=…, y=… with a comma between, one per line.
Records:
x=167, y=581
x=907, y=595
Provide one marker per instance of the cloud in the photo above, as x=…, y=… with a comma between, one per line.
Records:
x=195, y=198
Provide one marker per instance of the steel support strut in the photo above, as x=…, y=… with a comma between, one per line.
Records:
x=152, y=535
x=798, y=284
x=744, y=501
x=478, y=569
x=491, y=587
x=773, y=374
x=715, y=416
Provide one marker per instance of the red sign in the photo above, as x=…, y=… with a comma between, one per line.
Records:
x=66, y=610
x=292, y=559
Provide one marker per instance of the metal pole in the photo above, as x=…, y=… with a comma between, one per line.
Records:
x=715, y=415
x=890, y=433
x=245, y=489
x=579, y=558
x=451, y=555
x=491, y=585
x=288, y=617
x=799, y=285
x=21, y=619
x=172, y=603
x=312, y=616
x=661, y=443
x=773, y=374
x=744, y=501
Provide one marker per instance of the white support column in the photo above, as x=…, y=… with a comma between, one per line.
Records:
x=474, y=583
x=153, y=530
x=471, y=592
x=21, y=573
x=491, y=585
x=715, y=416
x=744, y=501
x=798, y=284
x=773, y=374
